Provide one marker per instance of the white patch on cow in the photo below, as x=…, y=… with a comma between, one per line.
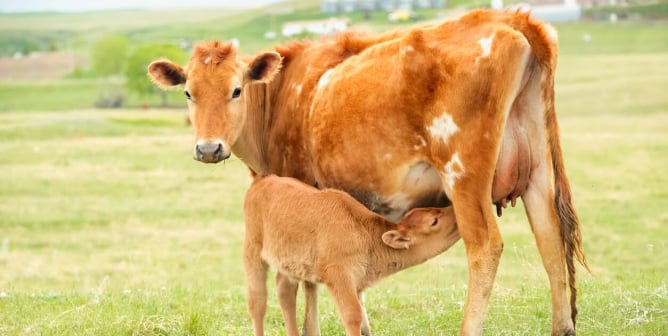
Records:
x=407, y=49
x=486, y=46
x=453, y=170
x=443, y=127
x=298, y=89
x=207, y=60
x=324, y=79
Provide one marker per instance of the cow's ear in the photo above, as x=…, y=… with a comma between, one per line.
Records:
x=166, y=74
x=396, y=240
x=264, y=67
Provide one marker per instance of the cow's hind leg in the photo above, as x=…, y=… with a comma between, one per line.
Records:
x=540, y=207
x=469, y=175
x=287, y=298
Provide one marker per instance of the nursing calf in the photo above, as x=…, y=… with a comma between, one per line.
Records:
x=326, y=236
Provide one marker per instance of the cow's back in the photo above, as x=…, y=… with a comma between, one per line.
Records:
x=376, y=121
x=288, y=99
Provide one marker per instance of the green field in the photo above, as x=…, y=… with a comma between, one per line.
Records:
x=108, y=227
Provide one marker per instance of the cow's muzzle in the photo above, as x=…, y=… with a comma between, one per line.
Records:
x=210, y=151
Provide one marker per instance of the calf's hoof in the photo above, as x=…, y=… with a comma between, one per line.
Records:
x=308, y=332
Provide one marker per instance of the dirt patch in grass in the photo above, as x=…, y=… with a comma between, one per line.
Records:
x=42, y=66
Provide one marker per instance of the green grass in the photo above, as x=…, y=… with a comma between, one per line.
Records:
x=648, y=9
x=52, y=95
x=607, y=37
x=71, y=94
x=107, y=227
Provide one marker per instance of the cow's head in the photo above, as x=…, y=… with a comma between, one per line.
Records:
x=213, y=83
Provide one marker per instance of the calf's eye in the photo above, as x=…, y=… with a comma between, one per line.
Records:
x=435, y=222
x=236, y=93
x=187, y=95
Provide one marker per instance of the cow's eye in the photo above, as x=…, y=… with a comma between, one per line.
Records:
x=236, y=93
x=435, y=222
x=187, y=95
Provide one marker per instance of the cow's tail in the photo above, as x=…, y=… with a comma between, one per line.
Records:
x=543, y=41
x=569, y=222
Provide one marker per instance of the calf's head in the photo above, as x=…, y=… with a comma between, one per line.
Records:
x=424, y=226
x=213, y=82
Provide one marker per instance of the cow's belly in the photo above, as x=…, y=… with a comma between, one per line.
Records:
x=399, y=190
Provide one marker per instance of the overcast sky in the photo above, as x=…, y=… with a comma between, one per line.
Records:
x=90, y=5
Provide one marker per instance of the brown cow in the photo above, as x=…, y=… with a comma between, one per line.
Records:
x=306, y=234
x=216, y=65
x=463, y=111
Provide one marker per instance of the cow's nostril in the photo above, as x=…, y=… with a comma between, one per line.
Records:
x=219, y=150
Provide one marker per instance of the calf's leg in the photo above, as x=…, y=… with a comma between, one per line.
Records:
x=256, y=291
x=345, y=297
x=311, y=325
x=366, y=328
x=287, y=298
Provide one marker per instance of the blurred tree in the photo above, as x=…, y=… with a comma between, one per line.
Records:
x=136, y=70
x=29, y=46
x=109, y=54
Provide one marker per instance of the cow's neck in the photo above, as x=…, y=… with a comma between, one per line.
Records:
x=251, y=145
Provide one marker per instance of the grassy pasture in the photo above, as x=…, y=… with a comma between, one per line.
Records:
x=107, y=227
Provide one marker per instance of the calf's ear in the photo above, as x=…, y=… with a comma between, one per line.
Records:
x=264, y=67
x=396, y=240
x=166, y=74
